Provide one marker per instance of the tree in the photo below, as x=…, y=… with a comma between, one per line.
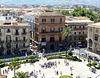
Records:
x=21, y=75
x=94, y=63
x=1, y=61
x=67, y=33
x=14, y=65
x=81, y=12
x=16, y=59
x=70, y=53
x=59, y=53
x=31, y=57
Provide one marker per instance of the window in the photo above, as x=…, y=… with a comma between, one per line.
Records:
x=8, y=30
x=96, y=31
x=96, y=38
x=51, y=39
x=43, y=39
x=16, y=45
x=52, y=20
x=0, y=39
x=43, y=30
x=23, y=38
x=74, y=33
x=24, y=45
x=16, y=32
x=24, y=30
x=75, y=27
x=82, y=38
x=83, y=26
x=8, y=38
x=60, y=38
x=83, y=32
x=16, y=38
x=71, y=27
x=60, y=20
x=60, y=29
x=79, y=33
x=90, y=29
x=43, y=20
x=52, y=29
x=0, y=30
x=79, y=39
x=79, y=26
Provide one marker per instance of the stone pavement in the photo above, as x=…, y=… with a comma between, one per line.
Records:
x=79, y=68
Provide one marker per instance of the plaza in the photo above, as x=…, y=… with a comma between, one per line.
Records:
x=78, y=69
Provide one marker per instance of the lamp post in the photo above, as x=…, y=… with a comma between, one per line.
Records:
x=40, y=42
x=79, y=52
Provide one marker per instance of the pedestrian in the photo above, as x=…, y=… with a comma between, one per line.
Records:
x=57, y=73
x=3, y=71
x=60, y=72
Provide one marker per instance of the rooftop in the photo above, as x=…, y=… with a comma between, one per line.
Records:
x=97, y=25
x=51, y=14
x=13, y=23
x=79, y=21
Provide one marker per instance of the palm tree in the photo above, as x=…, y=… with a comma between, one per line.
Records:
x=66, y=34
x=22, y=75
x=14, y=65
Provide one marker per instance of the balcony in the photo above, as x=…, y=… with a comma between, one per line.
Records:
x=24, y=33
x=79, y=28
x=17, y=41
x=49, y=32
x=8, y=41
x=16, y=33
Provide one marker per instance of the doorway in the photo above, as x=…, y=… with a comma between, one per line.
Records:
x=52, y=47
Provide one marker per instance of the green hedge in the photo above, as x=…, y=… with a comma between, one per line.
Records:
x=65, y=76
x=16, y=59
x=89, y=64
x=4, y=75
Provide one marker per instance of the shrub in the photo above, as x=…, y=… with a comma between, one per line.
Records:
x=4, y=75
x=36, y=60
x=1, y=61
x=26, y=60
x=16, y=59
x=31, y=57
x=70, y=53
x=94, y=63
x=59, y=53
x=75, y=58
x=89, y=64
x=79, y=60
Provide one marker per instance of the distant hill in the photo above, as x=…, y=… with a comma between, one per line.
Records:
x=88, y=2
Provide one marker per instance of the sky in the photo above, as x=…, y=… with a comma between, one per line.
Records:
x=88, y=2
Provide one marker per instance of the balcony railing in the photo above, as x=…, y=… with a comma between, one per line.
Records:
x=8, y=41
x=50, y=32
x=17, y=40
x=16, y=33
x=24, y=33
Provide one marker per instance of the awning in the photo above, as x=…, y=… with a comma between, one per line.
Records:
x=43, y=43
x=60, y=45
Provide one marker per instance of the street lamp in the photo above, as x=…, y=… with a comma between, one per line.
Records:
x=40, y=42
x=79, y=52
